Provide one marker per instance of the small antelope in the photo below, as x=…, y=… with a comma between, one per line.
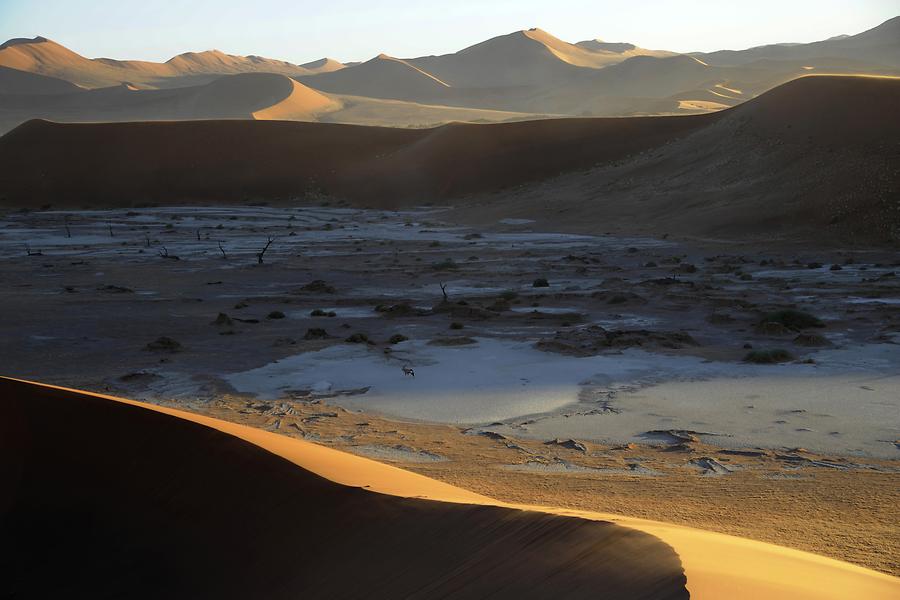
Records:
x=409, y=371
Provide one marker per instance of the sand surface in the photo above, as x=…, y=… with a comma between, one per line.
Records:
x=179, y=506
x=714, y=564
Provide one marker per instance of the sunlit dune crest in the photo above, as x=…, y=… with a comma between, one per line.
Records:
x=715, y=565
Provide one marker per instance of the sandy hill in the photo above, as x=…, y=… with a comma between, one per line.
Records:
x=525, y=72
x=323, y=65
x=241, y=96
x=46, y=57
x=381, y=77
x=116, y=500
x=94, y=163
x=813, y=159
x=651, y=76
x=522, y=58
x=127, y=499
x=14, y=81
x=623, y=49
x=217, y=62
x=592, y=54
x=359, y=110
x=879, y=45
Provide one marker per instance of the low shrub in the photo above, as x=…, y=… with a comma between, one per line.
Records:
x=445, y=265
x=315, y=333
x=793, y=319
x=768, y=357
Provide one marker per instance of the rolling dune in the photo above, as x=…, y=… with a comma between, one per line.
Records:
x=108, y=498
x=527, y=71
x=99, y=164
x=96, y=475
x=381, y=77
x=813, y=159
x=803, y=157
x=14, y=81
x=46, y=57
x=242, y=96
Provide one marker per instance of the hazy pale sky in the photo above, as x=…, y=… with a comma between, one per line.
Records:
x=301, y=31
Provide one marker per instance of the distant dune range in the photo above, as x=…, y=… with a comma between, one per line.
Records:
x=46, y=57
x=522, y=75
x=119, y=498
x=244, y=96
x=250, y=96
x=816, y=154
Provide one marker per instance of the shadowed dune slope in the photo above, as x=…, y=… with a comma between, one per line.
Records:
x=107, y=499
x=816, y=159
x=879, y=45
x=176, y=162
x=14, y=81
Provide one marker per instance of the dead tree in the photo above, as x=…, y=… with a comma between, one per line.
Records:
x=198, y=235
x=259, y=256
x=222, y=250
x=31, y=252
x=109, y=225
x=147, y=239
x=164, y=253
x=66, y=224
x=444, y=291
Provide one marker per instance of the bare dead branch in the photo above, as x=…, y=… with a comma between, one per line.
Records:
x=259, y=256
x=164, y=253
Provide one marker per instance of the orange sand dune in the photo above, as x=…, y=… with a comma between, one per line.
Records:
x=105, y=498
x=46, y=57
x=241, y=96
x=381, y=77
x=323, y=65
x=179, y=475
x=301, y=103
x=584, y=54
